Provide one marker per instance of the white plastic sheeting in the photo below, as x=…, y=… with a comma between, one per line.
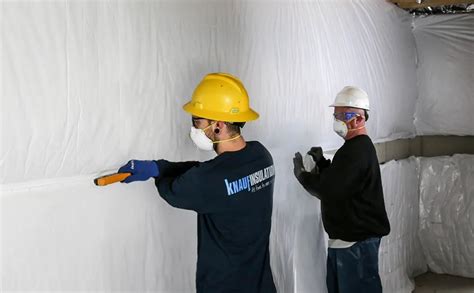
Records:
x=447, y=214
x=401, y=255
x=298, y=241
x=445, y=74
x=88, y=85
x=70, y=236
x=74, y=236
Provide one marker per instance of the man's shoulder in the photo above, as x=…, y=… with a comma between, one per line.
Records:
x=254, y=151
x=255, y=144
x=359, y=146
x=362, y=140
x=258, y=147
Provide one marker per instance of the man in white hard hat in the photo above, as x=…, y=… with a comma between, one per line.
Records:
x=232, y=193
x=351, y=194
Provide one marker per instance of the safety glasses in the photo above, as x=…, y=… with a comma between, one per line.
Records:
x=344, y=116
x=195, y=120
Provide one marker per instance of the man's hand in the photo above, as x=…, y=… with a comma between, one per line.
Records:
x=141, y=170
x=298, y=165
x=316, y=153
x=318, y=158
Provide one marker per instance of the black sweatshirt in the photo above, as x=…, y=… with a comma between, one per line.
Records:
x=233, y=195
x=351, y=194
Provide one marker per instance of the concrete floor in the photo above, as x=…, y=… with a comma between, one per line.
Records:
x=430, y=283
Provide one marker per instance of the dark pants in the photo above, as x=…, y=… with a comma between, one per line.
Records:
x=354, y=269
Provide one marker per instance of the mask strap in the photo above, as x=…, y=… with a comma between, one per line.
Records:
x=225, y=140
x=354, y=129
x=219, y=141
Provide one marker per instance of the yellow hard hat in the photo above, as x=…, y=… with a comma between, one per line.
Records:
x=221, y=97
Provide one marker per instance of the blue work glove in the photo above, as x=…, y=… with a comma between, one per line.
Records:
x=141, y=170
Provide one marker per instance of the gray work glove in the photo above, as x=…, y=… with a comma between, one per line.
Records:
x=316, y=153
x=318, y=157
x=298, y=167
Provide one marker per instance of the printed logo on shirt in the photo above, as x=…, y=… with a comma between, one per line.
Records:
x=252, y=182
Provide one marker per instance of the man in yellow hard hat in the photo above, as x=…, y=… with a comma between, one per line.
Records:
x=232, y=193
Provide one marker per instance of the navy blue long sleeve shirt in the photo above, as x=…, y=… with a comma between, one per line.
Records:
x=233, y=195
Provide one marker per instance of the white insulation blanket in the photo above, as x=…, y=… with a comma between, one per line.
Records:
x=445, y=74
x=447, y=214
x=87, y=85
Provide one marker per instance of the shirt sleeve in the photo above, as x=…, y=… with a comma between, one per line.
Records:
x=172, y=169
x=178, y=186
x=337, y=181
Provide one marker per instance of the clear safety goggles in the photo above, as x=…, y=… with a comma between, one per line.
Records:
x=345, y=116
x=195, y=120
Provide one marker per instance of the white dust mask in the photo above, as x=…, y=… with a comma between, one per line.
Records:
x=340, y=127
x=200, y=139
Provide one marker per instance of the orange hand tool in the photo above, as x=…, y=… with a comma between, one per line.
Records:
x=111, y=178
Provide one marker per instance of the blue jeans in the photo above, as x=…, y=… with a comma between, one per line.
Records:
x=354, y=269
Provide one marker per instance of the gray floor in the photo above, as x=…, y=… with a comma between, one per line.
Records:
x=430, y=282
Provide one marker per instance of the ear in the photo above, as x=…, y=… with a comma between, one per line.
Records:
x=218, y=127
x=354, y=123
x=360, y=120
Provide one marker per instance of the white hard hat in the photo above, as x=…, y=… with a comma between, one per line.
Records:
x=353, y=97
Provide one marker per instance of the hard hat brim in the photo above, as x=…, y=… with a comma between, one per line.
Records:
x=220, y=116
x=348, y=106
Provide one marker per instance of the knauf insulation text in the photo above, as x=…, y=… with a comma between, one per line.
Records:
x=250, y=182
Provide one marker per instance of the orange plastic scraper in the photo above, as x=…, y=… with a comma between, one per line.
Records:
x=111, y=178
